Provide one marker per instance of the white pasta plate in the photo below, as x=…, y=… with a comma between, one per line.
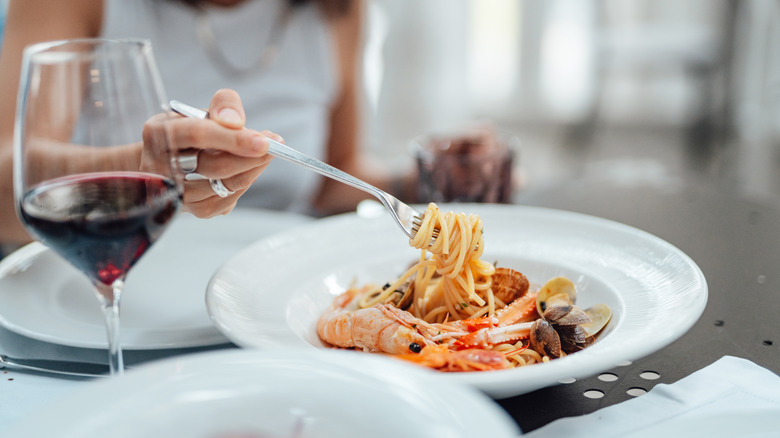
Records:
x=271, y=294
x=262, y=394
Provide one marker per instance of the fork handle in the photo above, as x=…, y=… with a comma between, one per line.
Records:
x=287, y=153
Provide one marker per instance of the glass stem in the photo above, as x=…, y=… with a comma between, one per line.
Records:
x=109, y=297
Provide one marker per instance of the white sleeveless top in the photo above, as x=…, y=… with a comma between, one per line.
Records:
x=291, y=97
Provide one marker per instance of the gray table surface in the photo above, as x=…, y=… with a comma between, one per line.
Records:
x=735, y=240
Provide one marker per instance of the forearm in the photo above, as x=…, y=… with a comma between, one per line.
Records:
x=27, y=22
x=11, y=230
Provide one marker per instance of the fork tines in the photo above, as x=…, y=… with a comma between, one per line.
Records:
x=417, y=223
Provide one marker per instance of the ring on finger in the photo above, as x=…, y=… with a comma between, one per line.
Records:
x=219, y=188
x=188, y=161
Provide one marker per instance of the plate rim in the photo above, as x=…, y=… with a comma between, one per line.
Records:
x=176, y=372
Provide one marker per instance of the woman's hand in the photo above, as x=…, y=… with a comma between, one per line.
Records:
x=224, y=149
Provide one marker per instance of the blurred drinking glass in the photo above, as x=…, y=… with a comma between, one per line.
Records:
x=472, y=165
x=83, y=184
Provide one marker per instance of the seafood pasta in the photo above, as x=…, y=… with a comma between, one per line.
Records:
x=455, y=312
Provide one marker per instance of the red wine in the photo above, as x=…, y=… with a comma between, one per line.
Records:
x=473, y=167
x=102, y=222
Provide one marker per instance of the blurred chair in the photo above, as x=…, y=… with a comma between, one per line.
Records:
x=701, y=52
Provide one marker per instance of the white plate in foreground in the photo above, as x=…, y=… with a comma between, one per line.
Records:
x=262, y=394
x=45, y=298
x=271, y=294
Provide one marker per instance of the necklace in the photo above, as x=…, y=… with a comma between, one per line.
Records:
x=268, y=55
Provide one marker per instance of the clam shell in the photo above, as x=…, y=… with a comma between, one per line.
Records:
x=566, y=315
x=573, y=338
x=599, y=315
x=544, y=339
x=553, y=288
x=405, y=293
x=508, y=284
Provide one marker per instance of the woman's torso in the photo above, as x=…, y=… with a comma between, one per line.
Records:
x=291, y=96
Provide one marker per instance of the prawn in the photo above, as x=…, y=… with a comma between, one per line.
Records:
x=375, y=328
x=386, y=328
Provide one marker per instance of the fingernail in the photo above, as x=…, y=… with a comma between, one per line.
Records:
x=229, y=115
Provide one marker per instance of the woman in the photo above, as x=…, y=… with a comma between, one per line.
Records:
x=292, y=62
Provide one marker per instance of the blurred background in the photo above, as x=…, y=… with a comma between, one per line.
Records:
x=636, y=91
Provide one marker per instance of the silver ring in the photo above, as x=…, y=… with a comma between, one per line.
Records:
x=188, y=161
x=219, y=188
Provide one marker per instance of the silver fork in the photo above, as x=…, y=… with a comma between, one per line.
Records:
x=70, y=368
x=405, y=216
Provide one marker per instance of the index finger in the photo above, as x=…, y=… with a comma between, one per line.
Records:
x=188, y=132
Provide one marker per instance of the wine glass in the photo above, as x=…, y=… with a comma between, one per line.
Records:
x=95, y=178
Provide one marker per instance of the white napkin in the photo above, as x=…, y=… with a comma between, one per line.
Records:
x=732, y=397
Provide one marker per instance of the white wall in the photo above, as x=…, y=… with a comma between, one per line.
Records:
x=537, y=62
